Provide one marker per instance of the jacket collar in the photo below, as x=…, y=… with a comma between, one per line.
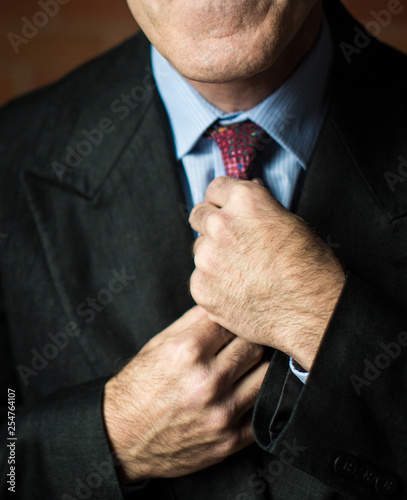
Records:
x=92, y=119
x=373, y=143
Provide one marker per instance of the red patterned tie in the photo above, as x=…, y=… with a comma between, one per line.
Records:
x=239, y=144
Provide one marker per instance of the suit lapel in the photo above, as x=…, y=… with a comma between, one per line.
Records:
x=374, y=134
x=346, y=196
x=114, y=231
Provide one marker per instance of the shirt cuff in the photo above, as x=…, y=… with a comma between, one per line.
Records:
x=298, y=371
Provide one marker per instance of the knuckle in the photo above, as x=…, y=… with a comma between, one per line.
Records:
x=195, y=212
x=203, y=256
x=195, y=283
x=216, y=225
x=196, y=397
x=171, y=350
x=173, y=345
x=241, y=191
x=182, y=351
x=192, y=349
x=202, y=393
x=247, y=196
x=197, y=244
x=210, y=390
x=217, y=184
x=219, y=421
x=198, y=287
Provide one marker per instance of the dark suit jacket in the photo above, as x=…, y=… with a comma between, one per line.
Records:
x=114, y=227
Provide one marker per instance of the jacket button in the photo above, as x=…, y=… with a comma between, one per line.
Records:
x=366, y=475
x=386, y=485
x=346, y=465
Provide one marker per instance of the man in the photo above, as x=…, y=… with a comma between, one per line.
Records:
x=95, y=177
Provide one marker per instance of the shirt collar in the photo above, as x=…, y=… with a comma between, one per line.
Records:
x=292, y=115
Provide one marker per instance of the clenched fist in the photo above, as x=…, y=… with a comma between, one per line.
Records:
x=261, y=272
x=184, y=402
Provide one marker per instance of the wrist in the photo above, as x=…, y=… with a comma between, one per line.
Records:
x=305, y=347
x=119, y=432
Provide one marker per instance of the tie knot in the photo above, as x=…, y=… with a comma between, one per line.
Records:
x=239, y=144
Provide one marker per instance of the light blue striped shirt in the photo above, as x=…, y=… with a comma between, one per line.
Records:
x=292, y=116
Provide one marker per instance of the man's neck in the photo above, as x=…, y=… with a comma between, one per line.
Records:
x=244, y=94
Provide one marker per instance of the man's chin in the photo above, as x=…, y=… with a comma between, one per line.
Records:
x=220, y=69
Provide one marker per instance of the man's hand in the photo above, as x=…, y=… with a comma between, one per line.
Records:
x=185, y=401
x=261, y=272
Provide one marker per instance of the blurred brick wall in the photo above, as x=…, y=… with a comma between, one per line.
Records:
x=80, y=30
x=83, y=28
x=395, y=33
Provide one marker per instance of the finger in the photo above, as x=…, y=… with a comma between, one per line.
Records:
x=195, y=325
x=218, y=190
x=209, y=337
x=190, y=317
x=246, y=390
x=207, y=263
x=199, y=215
x=237, y=358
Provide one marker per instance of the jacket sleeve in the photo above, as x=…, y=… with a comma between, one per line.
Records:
x=57, y=448
x=347, y=424
x=60, y=450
